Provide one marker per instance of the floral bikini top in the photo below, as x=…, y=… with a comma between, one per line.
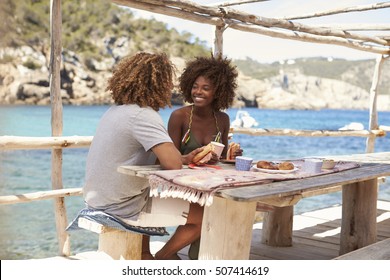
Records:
x=189, y=143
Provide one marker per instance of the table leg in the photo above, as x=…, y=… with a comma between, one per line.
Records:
x=227, y=230
x=359, y=210
x=278, y=227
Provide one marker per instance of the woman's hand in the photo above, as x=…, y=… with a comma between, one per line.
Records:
x=238, y=153
x=187, y=159
x=214, y=158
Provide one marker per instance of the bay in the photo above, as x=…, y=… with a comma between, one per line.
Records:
x=27, y=230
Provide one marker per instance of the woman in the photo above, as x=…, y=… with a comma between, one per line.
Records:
x=209, y=85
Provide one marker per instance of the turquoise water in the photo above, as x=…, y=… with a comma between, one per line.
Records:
x=27, y=230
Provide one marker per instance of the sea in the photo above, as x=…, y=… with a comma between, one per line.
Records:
x=27, y=230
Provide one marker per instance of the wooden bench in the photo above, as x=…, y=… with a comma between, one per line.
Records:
x=118, y=244
x=376, y=251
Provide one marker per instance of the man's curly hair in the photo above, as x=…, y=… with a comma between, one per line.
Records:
x=144, y=79
x=221, y=74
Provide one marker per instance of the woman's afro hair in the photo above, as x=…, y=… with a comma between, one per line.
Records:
x=221, y=74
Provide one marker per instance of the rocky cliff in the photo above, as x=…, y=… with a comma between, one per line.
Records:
x=25, y=80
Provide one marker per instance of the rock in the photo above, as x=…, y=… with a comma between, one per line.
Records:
x=80, y=86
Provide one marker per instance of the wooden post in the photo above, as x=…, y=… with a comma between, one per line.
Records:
x=230, y=223
x=278, y=226
x=370, y=143
x=362, y=198
x=56, y=123
x=218, y=41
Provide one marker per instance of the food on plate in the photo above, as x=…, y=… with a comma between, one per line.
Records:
x=233, y=147
x=275, y=166
x=285, y=166
x=204, y=156
x=266, y=165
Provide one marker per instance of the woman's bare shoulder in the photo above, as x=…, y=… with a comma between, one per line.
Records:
x=223, y=116
x=181, y=112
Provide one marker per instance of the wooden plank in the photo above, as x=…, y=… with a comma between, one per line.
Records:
x=94, y=226
x=288, y=188
x=377, y=251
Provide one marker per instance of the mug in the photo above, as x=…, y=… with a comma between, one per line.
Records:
x=243, y=163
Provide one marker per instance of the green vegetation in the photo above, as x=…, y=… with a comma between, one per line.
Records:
x=85, y=25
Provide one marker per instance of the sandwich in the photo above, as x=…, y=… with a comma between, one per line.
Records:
x=233, y=147
x=203, y=156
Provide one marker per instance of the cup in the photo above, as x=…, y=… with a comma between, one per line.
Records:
x=312, y=165
x=218, y=148
x=328, y=164
x=243, y=163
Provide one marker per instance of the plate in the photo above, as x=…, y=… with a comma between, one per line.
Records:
x=273, y=171
x=231, y=161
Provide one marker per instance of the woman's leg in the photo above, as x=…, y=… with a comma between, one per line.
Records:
x=146, y=255
x=184, y=235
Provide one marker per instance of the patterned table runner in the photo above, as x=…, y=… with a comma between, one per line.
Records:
x=199, y=186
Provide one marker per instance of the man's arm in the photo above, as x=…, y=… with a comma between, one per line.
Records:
x=170, y=158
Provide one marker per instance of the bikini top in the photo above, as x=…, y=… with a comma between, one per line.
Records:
x=189, y=143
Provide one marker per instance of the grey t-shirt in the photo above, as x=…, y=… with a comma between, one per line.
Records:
x=124, y=136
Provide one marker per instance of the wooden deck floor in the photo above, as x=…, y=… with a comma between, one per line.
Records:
x=315, y=236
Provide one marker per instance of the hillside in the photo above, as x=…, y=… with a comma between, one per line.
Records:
x=96, y=34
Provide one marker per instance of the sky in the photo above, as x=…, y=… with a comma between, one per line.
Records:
x=239, y=44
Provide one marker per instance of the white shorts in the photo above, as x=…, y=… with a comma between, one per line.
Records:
x=162, y=212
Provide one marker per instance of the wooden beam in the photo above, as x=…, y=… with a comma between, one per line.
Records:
x=57, y=124
x=356, y=27
x=305, y=37
x=289, y=25
x=234, y=3
x=23, y=142
x=156, y=7
x=342, y=10
x=42, y=195
x=373, y=123
x=306, y=133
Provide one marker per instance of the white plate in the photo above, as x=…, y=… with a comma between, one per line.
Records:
x=274, y=171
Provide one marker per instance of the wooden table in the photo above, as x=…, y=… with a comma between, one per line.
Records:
x=227, y=223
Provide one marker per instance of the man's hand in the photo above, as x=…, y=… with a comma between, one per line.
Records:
x=187, y=159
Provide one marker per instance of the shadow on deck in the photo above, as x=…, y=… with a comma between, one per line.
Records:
x=316, y=236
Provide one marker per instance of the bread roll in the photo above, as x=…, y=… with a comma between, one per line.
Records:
x=199, y=156
x=266, y=165
x=263, y=164
x=286, y=166
x=233, y=147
